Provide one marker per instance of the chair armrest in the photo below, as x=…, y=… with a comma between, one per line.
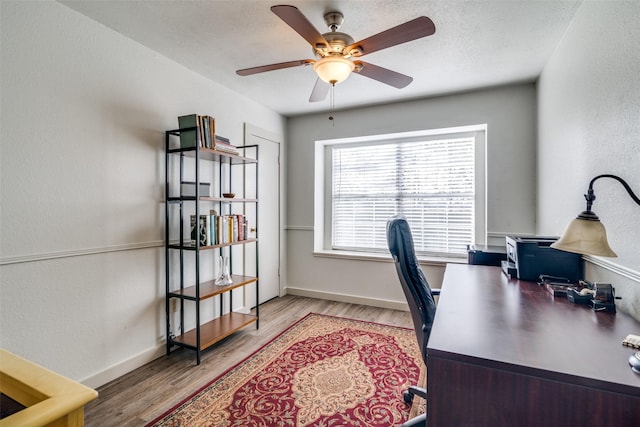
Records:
x=418, y=391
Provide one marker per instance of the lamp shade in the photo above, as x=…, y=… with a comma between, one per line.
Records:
x=585, y=236
x=333, y=69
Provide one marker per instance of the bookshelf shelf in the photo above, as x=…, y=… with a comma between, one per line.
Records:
x=209, y=153
x=211, y=199
x=209, y=289
x=192, y=247
x=214, y=331
x=200, y=230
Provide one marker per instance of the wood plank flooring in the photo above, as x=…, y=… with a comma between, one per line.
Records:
x=147, y=392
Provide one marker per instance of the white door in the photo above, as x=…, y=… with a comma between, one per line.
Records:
x=268, y=223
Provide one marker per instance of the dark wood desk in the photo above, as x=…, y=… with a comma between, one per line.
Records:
x=504, y=352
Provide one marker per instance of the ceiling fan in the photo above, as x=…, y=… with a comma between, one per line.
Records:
x=335, y=51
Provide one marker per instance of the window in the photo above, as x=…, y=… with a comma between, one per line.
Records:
x=434, y=178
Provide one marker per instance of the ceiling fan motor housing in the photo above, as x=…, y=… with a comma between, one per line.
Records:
x=337, y=43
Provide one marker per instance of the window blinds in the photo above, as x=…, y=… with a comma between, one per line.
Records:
x=431, y=182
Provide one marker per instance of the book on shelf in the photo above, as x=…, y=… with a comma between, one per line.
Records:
x=227, y=228
x=205, y=131
x=212, y=131
x=223, y=144
x=204, y=134
x=214, y=229
x=200, y=230
x=190, y=138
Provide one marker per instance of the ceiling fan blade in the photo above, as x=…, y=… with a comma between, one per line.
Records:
x=411, y=30
x=383, y=75
x=296, y=20
x=320, y=91
x=271, y=67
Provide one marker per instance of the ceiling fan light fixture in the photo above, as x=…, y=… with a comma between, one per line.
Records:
x=333, y=69
x=334, y=50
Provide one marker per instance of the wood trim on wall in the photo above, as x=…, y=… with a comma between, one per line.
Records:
x=80, y=252
x=613, y=267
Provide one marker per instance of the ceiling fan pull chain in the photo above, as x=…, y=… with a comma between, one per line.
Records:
x=332, y=104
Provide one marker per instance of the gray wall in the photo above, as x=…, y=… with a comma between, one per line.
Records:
x=589, y=124
x=509, y=112
x=84, y=111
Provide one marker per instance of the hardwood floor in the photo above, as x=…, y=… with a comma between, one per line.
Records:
x=147, y=392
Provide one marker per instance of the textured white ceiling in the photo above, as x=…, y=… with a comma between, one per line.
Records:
x=477, y=43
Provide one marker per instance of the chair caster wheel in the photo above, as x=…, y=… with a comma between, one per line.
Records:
x=407, y=397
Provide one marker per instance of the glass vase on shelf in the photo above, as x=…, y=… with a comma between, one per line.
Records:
x=224, y=277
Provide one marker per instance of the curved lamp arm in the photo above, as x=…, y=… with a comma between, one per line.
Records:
x=586, y=234
x=591, y=197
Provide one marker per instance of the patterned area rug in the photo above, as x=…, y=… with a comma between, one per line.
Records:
x=321, y=371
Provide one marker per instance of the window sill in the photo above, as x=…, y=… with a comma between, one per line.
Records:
x=380, y=257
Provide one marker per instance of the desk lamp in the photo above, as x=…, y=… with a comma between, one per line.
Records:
x=586, y=235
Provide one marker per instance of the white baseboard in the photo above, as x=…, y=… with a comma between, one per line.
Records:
x=373, y=302
x=124, y=367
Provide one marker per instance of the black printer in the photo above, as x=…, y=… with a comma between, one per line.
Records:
x=529, y=257
x=486, y=255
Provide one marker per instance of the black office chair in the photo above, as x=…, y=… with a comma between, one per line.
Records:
x=418, y=293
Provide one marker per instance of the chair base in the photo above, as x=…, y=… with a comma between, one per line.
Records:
x=413, y=391
x=420, y=420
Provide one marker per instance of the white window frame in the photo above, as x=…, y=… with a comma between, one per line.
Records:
x=322, y=185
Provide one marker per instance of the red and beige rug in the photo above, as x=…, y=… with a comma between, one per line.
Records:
x=321, y=371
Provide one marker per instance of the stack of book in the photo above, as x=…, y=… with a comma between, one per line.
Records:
x=214, y=229
x=223, y=144
x=202, y=133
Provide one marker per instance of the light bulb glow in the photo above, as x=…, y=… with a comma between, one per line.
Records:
x=333, y=69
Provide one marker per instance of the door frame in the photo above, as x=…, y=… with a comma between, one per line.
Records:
x=251, y=130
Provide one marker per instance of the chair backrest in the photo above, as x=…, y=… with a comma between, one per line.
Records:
x=415, y=286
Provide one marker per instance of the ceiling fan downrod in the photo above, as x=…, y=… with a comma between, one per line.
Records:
x=333, y=20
